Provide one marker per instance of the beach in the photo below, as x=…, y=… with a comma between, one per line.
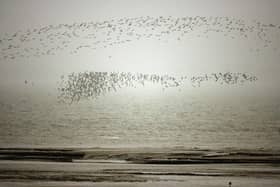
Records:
x=154, y=93
x=138, y=167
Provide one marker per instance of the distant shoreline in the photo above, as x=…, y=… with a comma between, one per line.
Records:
x=137, y=167
x=142, y=155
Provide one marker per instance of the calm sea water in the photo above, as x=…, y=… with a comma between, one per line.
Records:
x=140, y=121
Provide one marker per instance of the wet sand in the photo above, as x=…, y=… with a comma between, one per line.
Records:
x=138, y=167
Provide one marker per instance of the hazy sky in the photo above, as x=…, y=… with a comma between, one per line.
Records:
x=18, y=14
x=195, y=55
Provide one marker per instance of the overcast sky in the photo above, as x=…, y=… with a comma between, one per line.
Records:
x=18, y=14
x=195, y=55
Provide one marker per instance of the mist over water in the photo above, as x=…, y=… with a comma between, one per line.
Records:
x=139, y=93
x=197, y=81
x=129, y=119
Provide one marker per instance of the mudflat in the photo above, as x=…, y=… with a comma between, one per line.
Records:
x=138, y=167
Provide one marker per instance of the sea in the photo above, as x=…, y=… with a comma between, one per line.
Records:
x=191, y=118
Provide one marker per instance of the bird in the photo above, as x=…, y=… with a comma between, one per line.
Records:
x=53, y=39
x=77, y=86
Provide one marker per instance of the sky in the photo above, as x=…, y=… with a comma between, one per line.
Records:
x=193, y=56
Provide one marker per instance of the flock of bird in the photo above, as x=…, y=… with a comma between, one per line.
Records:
x=53, y=39
x=86, y=85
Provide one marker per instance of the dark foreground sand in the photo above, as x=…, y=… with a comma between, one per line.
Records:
x=138, y=167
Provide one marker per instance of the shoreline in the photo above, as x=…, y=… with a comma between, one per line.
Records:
x=137, y=167
x=142, y=155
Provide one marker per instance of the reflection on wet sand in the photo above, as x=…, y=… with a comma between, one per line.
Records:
x=167, y=166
